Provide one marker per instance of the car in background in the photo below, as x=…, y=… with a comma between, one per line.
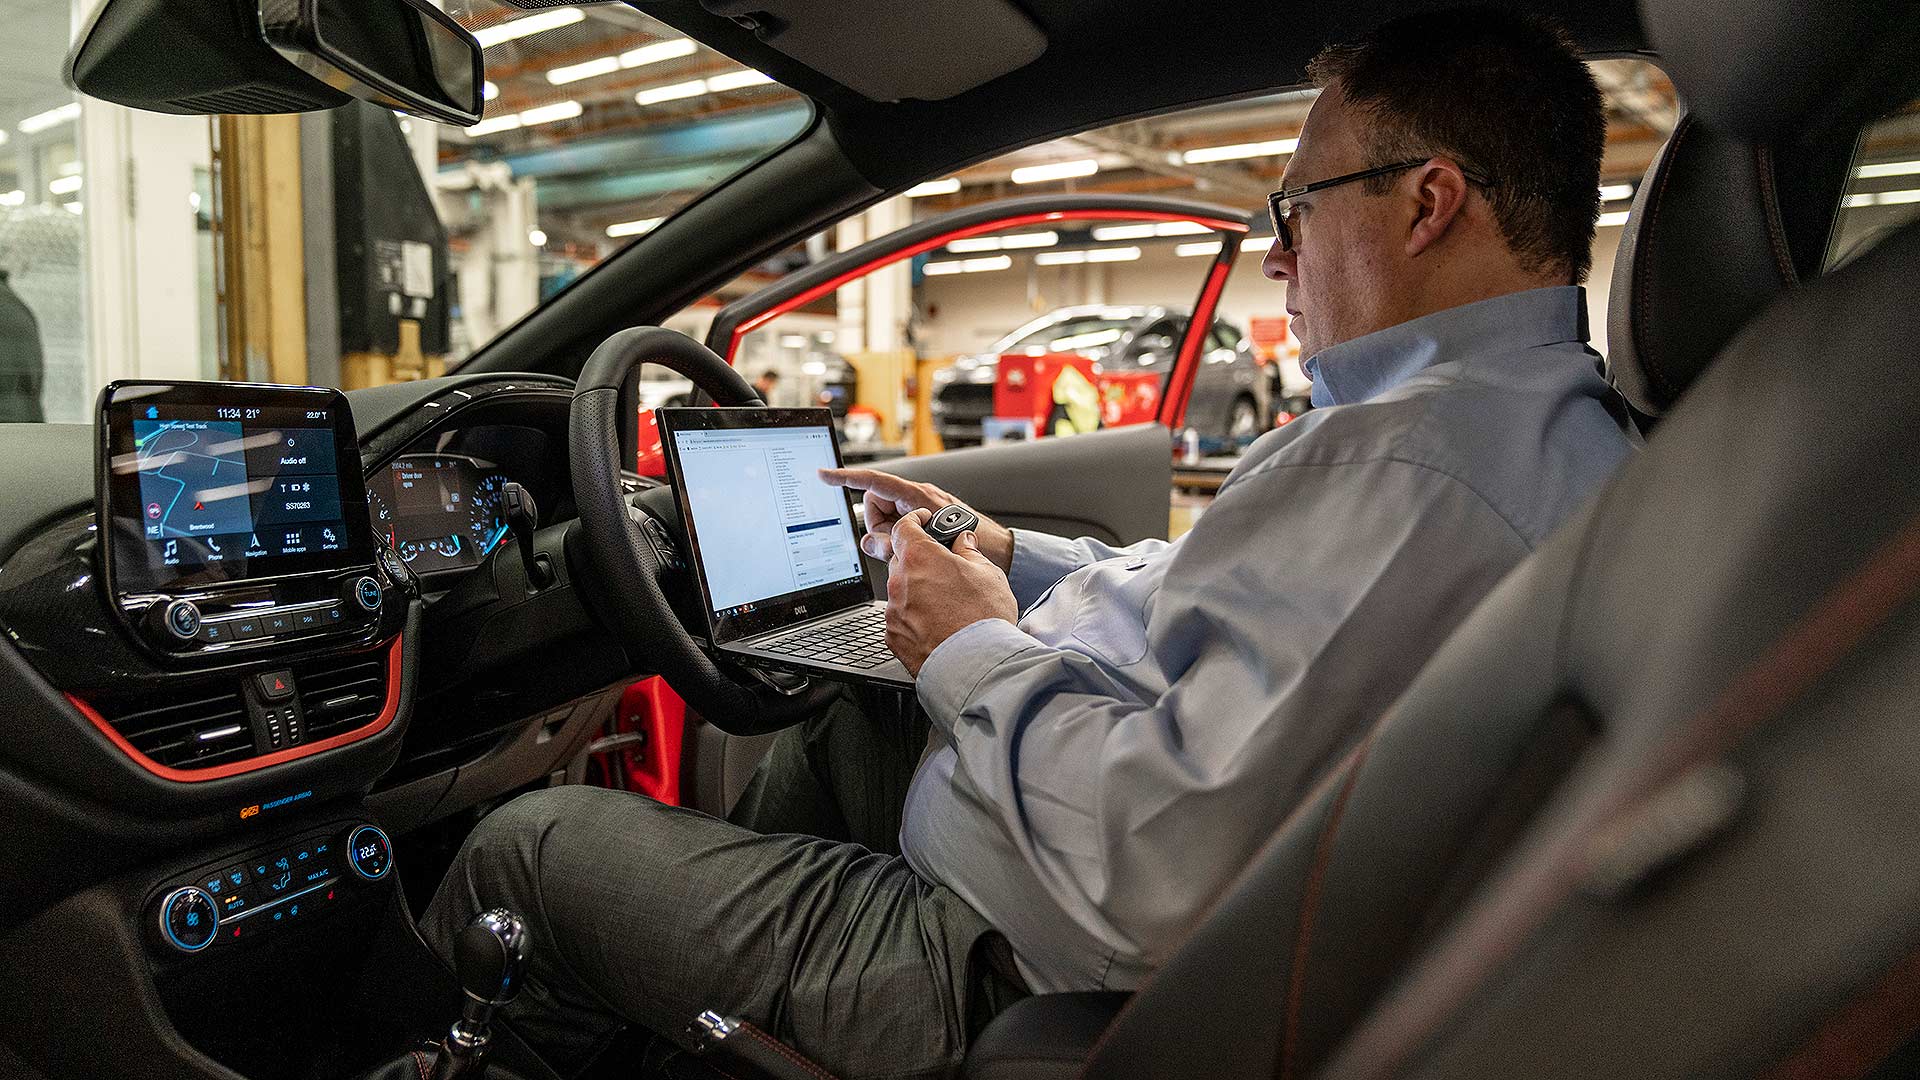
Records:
x=1230, y=393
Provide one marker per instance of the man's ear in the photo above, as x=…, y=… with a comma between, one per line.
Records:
x=1440, y=189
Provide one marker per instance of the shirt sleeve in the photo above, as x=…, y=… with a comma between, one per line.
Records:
x=1290, y=618
x=1040, y=560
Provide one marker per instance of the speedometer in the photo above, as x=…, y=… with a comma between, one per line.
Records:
x=485, y=527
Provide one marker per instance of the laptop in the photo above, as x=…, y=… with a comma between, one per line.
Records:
x=774, y=546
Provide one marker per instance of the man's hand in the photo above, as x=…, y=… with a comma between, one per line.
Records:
x=933, y=593
x=890, y=498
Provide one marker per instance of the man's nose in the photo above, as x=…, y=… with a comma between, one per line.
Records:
x=1279, y=265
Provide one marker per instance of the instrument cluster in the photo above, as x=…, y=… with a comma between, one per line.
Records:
x=439, y=512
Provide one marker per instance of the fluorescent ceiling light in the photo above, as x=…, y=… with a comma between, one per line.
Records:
x=969, y=266
x=74, y=208
x=1256, y=243
x=1092, y=255
x=793, y=341
x=934, y=187
x=1010, y=241
x=606, y=65
x=1609, y=220
x=532, y=24
x=1864, y=172
x=13, y=198
x=66, y=185
x=1204, y=247
x=1059, y=170
x=1865, y=198
x=736, y=80
x=656, y=94
x=51, y=118
x=1615, y=192
x=489, y=90
x=547, y=114
x=658, y=51
x=1240, y=150
x=3, y=137
x=633, y=228
x=1889, y=198
x=640, y=57
x=1142, y=232
x=495, y=125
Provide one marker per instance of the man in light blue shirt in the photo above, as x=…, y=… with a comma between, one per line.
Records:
x=1111, y=734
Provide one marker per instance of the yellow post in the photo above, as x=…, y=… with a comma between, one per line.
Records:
x=882, y=378
x=926, y=438
x=263, y=291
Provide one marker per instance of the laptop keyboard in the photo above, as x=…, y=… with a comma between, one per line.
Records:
x=859, y=642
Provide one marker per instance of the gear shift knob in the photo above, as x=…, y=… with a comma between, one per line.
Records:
x=490, y=957
x=490, y=960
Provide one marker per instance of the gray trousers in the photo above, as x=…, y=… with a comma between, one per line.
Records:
x=798, y=914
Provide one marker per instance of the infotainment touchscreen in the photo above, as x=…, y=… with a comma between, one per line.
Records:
x=210, y=482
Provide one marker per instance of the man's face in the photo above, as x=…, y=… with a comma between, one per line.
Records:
x=1344, y=253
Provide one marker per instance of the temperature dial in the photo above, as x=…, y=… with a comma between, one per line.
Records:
x=369, y=852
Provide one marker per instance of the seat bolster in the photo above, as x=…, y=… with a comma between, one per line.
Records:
x=1047, y=1037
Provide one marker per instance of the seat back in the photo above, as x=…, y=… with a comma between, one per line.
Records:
x=1787, y=471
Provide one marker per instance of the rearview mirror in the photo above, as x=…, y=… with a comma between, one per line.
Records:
x=404, y=54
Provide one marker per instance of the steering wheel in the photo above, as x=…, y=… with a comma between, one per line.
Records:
x=628, y=561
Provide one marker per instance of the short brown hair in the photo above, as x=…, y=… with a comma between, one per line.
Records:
x=1502, y=94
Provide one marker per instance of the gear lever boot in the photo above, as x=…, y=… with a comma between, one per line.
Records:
x=489, y=959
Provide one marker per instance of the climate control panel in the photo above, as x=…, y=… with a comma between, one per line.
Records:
x=272, y=888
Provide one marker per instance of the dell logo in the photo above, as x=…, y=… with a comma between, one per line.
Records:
x=799, y=609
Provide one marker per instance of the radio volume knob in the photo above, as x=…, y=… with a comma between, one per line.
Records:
x=182, y=619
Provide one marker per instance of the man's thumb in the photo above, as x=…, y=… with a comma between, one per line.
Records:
x=966, y=545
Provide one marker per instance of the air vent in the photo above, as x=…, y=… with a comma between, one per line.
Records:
x=189, y=730
x=340, y=695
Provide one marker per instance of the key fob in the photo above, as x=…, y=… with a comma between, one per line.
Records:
x=949, y=522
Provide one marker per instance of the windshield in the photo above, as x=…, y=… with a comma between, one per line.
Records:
x=352, y=247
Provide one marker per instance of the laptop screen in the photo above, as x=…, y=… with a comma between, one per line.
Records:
x=767, y=531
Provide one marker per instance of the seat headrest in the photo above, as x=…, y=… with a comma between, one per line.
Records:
x=1778, y=70
x=1705, y=249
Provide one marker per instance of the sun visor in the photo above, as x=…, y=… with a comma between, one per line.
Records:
x=890, y=51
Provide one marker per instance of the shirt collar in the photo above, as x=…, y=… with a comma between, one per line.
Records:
x=1369, y=366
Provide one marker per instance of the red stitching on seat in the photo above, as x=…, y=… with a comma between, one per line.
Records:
x=1865, y=1032
x=1310, y=910
x=420, y=1063
x=786, y=1051
x=1495, y=930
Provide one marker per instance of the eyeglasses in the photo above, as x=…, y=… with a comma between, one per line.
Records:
x=1282, y=213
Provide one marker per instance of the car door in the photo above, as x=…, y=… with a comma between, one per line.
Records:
x=1114, y=483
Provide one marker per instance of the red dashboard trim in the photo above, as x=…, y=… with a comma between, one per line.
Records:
x=190, y=776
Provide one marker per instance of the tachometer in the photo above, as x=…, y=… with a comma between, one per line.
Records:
x=485, y=527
